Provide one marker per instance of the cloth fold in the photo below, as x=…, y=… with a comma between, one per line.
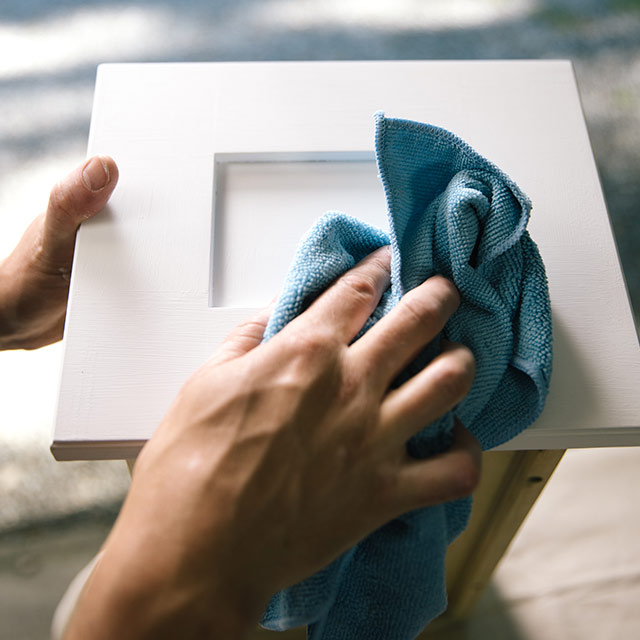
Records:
x=454, y=213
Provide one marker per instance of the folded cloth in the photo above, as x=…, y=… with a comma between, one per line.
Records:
x=454, y=213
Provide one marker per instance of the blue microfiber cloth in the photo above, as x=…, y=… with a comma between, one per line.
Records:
x=454, y=213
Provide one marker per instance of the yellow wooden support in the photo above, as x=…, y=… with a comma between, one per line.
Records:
x=511, y=483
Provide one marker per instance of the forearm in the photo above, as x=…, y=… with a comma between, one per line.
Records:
x=170, y=567
x=141, y=597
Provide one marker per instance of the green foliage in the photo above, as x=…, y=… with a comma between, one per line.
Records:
x=625, y=5
x=560, y=18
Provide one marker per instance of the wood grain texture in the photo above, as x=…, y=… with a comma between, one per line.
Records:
x=140, y=319
x=512, y=481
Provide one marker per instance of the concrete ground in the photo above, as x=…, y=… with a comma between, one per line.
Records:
x=574, y=571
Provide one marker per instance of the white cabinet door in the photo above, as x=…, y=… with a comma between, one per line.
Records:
x=223, y=166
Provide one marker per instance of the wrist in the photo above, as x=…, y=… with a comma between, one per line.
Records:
x=31, y=314
x=11, y=329
x=135, y=594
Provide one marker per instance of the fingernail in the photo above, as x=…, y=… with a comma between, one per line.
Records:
x=95, y=174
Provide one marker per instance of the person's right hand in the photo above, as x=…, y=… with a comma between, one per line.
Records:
x=275, y=458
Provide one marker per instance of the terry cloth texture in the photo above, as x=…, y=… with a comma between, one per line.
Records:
x=454, y=213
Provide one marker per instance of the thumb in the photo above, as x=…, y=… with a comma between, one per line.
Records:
x=77, y=197
x=245, y=337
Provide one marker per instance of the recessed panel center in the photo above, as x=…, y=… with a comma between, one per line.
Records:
x=262, y=210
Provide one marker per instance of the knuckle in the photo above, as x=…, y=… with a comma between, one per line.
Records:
x=424, y=311
x=316, y=344
x=361, y=285
x=250, y=329
x=61, y=203
x=353, y=394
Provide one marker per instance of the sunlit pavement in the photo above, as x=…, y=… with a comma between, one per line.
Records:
x=48, y=55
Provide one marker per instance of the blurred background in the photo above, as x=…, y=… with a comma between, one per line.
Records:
x=574, y=569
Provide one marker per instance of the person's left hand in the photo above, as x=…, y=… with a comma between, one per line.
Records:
x=34, y=279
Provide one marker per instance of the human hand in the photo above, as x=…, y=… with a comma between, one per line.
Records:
x=34, y=278
x=277, y=457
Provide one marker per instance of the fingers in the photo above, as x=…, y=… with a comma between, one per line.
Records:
x=444, y=477
x=245, y=337
x=342, y=309
x=439, y=387
x=398, y=337
x=79, y=196
x=345, y=306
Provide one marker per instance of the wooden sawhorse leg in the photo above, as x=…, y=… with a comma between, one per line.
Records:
x=511, y=483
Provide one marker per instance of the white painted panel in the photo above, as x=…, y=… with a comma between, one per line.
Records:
x=262, y=209
x=140, y=319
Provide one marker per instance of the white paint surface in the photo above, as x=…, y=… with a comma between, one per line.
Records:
x=139, y=319
x=250, y=195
